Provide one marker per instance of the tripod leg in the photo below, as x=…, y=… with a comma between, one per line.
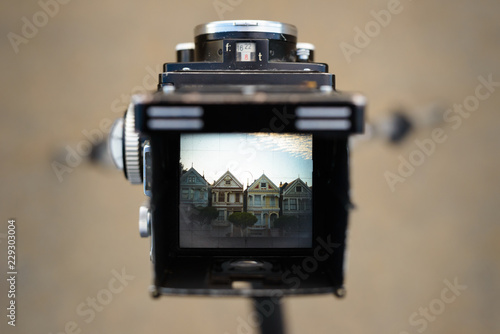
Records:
x=270, y=313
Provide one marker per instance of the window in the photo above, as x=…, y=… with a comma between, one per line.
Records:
x=298, y=189
x=285, y=204
x=257, y=200
x=263, y=184
x=191, y=179
x=272, y=201
x=221, y=197
x=185, y=193
x=228, y=181
x=237, y=199
x=293, y=204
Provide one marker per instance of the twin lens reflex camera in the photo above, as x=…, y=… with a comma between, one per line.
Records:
x=243, y=156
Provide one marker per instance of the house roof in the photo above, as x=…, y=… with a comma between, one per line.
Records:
x=297, y=182
x=263, y=178
x=192, y=172
x=223, y=177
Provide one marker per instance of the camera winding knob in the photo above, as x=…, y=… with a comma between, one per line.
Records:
x=132, y=148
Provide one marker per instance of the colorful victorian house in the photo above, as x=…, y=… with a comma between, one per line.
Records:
x=227, y=196
x=296, y=200
x=262, y=198
x=194, y=190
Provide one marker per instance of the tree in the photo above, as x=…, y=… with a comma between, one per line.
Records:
x=182, y=170
x=205, y=215
x=242, y=219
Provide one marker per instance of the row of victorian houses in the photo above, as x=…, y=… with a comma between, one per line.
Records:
x=262, y=198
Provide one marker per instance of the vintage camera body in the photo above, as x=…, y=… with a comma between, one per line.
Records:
x=243, y=152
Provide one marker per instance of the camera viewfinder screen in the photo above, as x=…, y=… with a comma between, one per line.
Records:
x=245, y=190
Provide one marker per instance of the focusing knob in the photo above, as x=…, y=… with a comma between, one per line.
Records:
x=132, y=148
x=115, y=143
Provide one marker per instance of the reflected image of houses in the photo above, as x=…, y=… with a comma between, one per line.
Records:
x=227, y=198
x=194, y=195
x=296, y=207
x=226, y=213
x=262, y=198
x=194, y=189
x=276, y=216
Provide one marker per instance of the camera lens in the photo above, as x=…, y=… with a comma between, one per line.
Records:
x=245, y=26
x=209, y=38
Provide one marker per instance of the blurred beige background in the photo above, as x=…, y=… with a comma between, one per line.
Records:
x=442, y=223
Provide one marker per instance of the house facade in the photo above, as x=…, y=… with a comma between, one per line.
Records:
x=262, y=200
x=194, y=190
x=296, y=200
x=227, y=196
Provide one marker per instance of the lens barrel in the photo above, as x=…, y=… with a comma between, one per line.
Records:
x=210, y=37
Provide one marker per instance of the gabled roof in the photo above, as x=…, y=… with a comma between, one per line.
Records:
x=227, y=176
x=255, y=186
x=200, y=180
x=297, y=182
